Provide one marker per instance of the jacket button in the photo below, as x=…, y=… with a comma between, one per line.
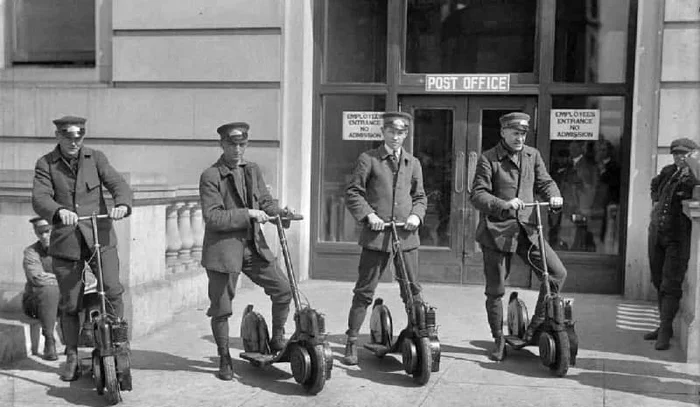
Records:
x=77, y=205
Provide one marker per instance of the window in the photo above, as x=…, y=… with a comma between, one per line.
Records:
x=466, y=36
x=588, y=174
x=591, y=41
x=53, y=32
x=338, y=159
x=356, y=41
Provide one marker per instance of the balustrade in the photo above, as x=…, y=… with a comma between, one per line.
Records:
x=185, y=234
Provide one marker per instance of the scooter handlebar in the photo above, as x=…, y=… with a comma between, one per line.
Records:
x=387, y=225
x=542, y=204
x=88, y=217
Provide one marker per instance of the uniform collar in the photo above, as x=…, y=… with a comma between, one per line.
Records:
x=384, y=153
x=502, y=152
x=224, y=169
x=55, y=155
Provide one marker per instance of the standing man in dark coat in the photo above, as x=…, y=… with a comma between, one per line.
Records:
x=68, y=183
x=386, y=185
x=235, y=202
x=508, y=176
x=669, y=236
x=40, y=298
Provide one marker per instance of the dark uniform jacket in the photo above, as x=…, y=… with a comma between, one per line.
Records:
x=371, y=189
x=57, y=186
x=227, y=224
x=668, y=190
x=497, y=180
x=37, y=267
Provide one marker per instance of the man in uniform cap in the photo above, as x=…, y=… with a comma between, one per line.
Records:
x=669, y=235
x=67, y=184
x=235, y=202
x=40, y=298
x=508, y=176
x=386, y=185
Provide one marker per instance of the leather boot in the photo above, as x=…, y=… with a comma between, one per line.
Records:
x=71, y=371
x=49, y=347
x=669, y=308
x=498, y=352
x=536, y=321
x=225, y=364
x=651, y=336
x=350, y=357
x=277, y=342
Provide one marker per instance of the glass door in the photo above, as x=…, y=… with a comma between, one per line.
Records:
x=438, y=141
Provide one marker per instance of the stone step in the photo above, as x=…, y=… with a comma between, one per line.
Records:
x=21, y=336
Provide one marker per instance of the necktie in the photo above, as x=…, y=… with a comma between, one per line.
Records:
x=394, y=162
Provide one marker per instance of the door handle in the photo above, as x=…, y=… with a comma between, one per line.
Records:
x=471, y=169
x=459, y=173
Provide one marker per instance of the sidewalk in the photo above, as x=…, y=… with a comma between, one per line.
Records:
x=176, y=365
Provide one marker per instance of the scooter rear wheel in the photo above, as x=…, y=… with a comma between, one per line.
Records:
x=111, y=383
x=563, y=354
x=314, y=384
x=421, y=374
x=98, y=372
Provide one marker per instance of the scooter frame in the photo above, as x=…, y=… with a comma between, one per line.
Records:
x=556, y=337
x=111, y=364
x=418, y=342
x=307, y=350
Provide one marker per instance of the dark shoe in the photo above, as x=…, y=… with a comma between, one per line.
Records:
x=350, y=357
x=50, y=349
x=277, y=343
x=532, y=330
x=498, y=352
x=225, y=367
x=663, y=340
x=651, y=336
x=71, y=371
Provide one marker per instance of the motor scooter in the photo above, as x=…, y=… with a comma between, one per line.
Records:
x=307, y=350
x=111, y=363
x=556, y=337
x=418, y=342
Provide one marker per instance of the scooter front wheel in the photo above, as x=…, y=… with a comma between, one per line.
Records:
x=98, y=372
x=111, y=383
x=421, y=374
x=563, y=356
x=317, y=378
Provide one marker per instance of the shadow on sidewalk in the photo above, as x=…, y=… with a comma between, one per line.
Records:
x=80, y=392
x=387, y=370
x=650, y=378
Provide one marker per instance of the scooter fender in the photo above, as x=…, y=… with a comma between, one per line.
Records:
x=435, y=354
x=103, y=337
x=554, y=308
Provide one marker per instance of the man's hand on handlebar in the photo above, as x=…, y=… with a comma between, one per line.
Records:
x=375, y=222
x=258, y=215
x=68, y=217
x=412, y=222
x=516, y=204
x=556, y=202
x=118, y=212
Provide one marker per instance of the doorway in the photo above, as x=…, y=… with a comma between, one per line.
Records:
x=448, y=136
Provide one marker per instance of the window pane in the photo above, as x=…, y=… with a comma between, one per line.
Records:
x=339, y=156
x=464, y=36
x=432, y=145
x=588, y=175
x=50, y=32
x=591, y=41
x=356, y=41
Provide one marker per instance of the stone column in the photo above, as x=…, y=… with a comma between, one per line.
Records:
x=172, y=235
x=185, y=228
x=687, y=321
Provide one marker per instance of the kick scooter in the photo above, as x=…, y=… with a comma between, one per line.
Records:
x=307, y=350
x=111, y=364
x=418, y=342
x=556, y=337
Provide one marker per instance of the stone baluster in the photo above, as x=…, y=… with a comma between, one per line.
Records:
x=185, y=228
x=197, y=231
x=172, y=236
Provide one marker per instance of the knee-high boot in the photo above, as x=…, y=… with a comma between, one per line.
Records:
x=669, y=308
x=494, y=314
x=219, y=329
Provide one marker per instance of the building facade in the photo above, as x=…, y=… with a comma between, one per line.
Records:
x=608, y=85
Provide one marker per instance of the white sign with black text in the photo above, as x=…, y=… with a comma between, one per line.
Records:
x=574, y=124
x=362, y=126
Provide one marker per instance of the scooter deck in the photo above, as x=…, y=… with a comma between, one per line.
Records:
x=378, y=349
x=515, y=342
x=261, y=359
